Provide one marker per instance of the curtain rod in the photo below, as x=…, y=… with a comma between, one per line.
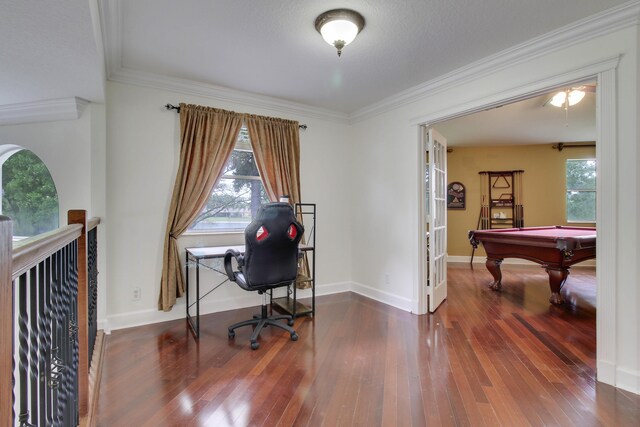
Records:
x=502, y=172
x=559, y=146
x=174, y=107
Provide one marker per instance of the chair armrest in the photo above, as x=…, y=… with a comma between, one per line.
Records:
x=228, y=268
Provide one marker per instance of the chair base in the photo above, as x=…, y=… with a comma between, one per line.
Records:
x=262, y=321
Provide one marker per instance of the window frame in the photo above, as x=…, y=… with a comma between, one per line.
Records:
x=567, y=190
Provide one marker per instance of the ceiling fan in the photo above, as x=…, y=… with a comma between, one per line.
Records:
x=570, y=96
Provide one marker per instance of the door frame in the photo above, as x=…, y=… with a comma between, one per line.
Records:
x=604, y=72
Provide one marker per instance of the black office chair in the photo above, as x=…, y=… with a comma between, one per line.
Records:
x=270, y=261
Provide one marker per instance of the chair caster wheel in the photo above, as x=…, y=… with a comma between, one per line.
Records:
x=254, y=345
x=232, y=334
x=290, y=322
x=294, y=337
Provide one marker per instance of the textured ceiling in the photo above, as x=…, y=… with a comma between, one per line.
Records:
x=532, y=121
x=50, y=50
x=272, y=48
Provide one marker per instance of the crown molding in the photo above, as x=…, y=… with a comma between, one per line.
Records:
x=519, y=93
x=111, y=16
x=606, y=22
x=42, y=111
x=220, y=93
x=611, y=20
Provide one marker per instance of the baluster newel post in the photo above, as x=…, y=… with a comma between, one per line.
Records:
x=6, y=322
x=79, y=216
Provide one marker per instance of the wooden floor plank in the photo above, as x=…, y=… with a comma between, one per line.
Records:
x=483, y=358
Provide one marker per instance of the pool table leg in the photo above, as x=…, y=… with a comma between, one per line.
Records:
x=557, y=278
x=493, y=265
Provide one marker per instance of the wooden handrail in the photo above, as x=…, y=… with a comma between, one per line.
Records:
x=92, y=223
x=29, y=252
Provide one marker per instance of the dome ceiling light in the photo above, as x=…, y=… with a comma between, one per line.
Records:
x=339, y=27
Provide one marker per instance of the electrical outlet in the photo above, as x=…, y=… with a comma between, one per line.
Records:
x=386, y=279
x=137, y=292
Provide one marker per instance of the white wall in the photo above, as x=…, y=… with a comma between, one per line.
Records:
x=142, y=156
x=99, y=201
x=386, y=170
x=65, y=147
x=384, y=198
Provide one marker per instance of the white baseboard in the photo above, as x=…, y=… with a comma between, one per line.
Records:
x=207, y=306
x=214, y=305
x=621, y=378
x=333, y=288
x=483, y=259
x=396, y=301
x=103, y=324
x=509, y=261
x=627, y=380
x=210, y=305
x=143, y=317
x=606, y=372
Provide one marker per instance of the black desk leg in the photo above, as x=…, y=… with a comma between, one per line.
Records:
x=198, y=299
x=195, y=328
x=186, y=285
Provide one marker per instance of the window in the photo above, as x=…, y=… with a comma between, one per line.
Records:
x=29, y=195
x=581, y=190
x=235, y=200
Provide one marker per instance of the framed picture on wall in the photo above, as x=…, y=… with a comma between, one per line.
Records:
x=456, y=195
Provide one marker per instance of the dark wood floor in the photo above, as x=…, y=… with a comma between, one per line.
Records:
x=484, y=358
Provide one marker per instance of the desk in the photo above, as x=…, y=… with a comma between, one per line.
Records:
x=556, y=248
x=197, y=256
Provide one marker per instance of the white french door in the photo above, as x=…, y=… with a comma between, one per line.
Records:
x=434, y=238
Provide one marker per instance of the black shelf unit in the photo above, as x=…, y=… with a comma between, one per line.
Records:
x=306, y=213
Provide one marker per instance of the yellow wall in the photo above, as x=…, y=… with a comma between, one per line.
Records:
x=543, y=185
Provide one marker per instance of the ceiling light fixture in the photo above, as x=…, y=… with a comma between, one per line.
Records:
x=568, y=98
x=339, y=27
x=573, y=96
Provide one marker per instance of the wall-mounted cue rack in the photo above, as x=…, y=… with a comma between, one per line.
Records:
x=502, y=204
x=501, y=197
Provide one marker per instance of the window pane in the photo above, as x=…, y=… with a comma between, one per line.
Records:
x=234, y=202
x=232, y=205
x=29, y=195
x=581, y=175
x=581, y=206
x=241, y=163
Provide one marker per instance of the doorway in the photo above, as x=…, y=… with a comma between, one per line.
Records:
x=606, y=209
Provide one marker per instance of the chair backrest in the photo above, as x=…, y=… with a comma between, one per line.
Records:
x=271, y=246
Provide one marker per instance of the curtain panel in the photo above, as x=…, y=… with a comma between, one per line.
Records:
x=276, y=148
x=207, y=138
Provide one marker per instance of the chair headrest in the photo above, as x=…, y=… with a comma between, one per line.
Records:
x=271, y=245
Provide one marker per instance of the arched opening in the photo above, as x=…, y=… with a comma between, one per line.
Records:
x=29, y=195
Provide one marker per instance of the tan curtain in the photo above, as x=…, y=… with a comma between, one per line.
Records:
x=207, y=138
x=276, y=148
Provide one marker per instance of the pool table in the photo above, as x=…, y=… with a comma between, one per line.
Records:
x=556, y=248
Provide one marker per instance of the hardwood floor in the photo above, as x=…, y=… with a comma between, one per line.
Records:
x=484, y=358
